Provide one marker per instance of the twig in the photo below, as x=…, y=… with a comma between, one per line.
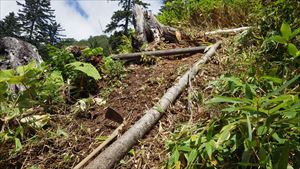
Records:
x=93, y=153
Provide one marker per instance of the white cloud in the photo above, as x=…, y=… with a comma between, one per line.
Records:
x=76, y=26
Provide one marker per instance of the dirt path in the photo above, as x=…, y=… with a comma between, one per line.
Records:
x=141, y=89
x=150, y=153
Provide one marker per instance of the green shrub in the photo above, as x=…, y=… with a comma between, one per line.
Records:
x=253, y=131
x=210, y=13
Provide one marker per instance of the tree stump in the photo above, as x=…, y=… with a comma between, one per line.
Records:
x=149, y=29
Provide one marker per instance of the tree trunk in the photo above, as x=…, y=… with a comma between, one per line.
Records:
x=111, y=155
x=149, y=29
x=162, y=53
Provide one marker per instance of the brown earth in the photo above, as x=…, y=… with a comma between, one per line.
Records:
x=140, y=90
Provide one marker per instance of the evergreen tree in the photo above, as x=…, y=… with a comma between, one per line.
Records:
x=123, y=18
x=10, y=26
x=51, y=33
x=37, y=21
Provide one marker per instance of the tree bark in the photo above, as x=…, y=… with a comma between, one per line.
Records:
x=162, y=53
x=119, y=148
x=149, y=29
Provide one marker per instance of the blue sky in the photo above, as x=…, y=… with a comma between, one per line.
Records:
x=80, y=18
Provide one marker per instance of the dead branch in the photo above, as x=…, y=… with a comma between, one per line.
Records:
x=162, y=53
x=100, y=147
x=225, y=31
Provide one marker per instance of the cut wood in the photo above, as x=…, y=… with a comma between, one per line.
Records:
x=224, y=31
x=115, y=152
x=100, y=147
x=148, y=29
x=162, y=53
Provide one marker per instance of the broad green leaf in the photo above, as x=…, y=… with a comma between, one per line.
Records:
x=298, y=54
x=185, y=148
x=295, y=33
x=225, y=135
x=174, y=158
x=192, y=156
x=284, y=86
x=18, y=144
x=209, y=148
x=273, y=79
x=292, y=50
x=278, y=139
x=16, y=80
x=261, y=130
x=86, y=68
x=282, y=157
x=278, y=39
x=248, y=92
x=233, y=79
x=263, y=155
x=286, y=30
x=246, y=156
x=21, y=70
x=223, y=99
x=5, y=75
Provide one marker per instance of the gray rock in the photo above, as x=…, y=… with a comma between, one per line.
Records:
x=15, y=52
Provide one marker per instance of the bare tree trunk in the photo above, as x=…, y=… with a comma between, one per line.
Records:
x=149, y=29
x=110, y=156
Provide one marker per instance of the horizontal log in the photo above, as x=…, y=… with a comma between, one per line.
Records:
x=167, y=52
x=223, y=31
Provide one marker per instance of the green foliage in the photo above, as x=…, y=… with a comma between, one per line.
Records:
x=112, y=69
x=81, y=76
x=123, y=17
x=85, y=68
x=276, y=12
x=96, y=42
x=10, y=26
x=37, y=22
x=254, y=131
x=125, y=45
x=92, y=52
x=212, y=13
x=286, y=37
x=39, y=87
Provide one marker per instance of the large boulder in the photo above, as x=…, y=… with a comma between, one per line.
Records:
x=15, y=52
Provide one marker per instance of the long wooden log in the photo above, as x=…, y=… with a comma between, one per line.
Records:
x=100, y=147
x=223, y=31
x=168, y=52
x=111, y=155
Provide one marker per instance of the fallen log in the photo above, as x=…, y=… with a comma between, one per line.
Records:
x=100, y=147
x=224, y=31
x=167, y=52
x=111, y=155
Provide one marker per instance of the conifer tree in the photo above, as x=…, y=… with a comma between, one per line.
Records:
x=37, y=21
x=123, y=18
x=10, y=26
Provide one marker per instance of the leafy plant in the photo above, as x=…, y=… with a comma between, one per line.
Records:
x=285, y=38
x=254, y=131
x=22, y=90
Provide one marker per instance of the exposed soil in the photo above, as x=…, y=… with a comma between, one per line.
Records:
x=151, y=152
x=141, y=89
